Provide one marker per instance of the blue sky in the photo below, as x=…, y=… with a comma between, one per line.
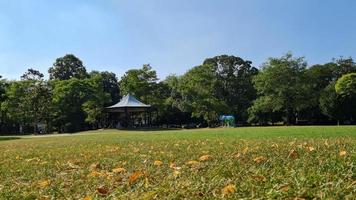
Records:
x=171, y=35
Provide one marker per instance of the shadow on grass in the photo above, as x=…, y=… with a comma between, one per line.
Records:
x=4, y=138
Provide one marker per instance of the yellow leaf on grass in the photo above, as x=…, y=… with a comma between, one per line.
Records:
x=176, y=173
x=133, y=177
x=260, y=159
x=44, y=183
x=157, y=163
x=238, y=155
x=229, y=189
x=174, y=166
x=310, y=149
x=245, y=150
x=96, y=174
x=193, y=163
x=342, y=153
x=205, y=158
x=87, y=198
x=119, y=170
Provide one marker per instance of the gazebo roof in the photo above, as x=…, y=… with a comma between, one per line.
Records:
x=129, y=101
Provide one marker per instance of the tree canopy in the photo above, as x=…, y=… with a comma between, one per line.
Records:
x=67, y=67
x=283, y=90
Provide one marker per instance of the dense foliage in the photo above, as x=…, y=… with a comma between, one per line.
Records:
x=284, y=90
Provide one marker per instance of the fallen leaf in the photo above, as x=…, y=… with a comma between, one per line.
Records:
x=44, y=183
x=310, y=149
x=245, y=150
x=87, y=198
x=119, y=170
x=205, y=158
x=293, y=154
x=157, y=163
x=102, y=190
x=260, y=159
x=238, y=155
x=176, y=173
x=229, y=189
x=259, y=178
x=193, y=163
x=133, y=177
x=95, y=174
x=284, y=188
x=342, y=153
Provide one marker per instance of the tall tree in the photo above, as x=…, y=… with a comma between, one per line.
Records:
x=284, y=80
x=198, y=94
x=332, y=104
x=32, y=74
x=79, y=104
x=346, y=85
x=140, y=83
x=3, y=88
x=96, y=101
x=67, y=67
x=109, y=83
x=345, y=88
x=234, y=83
x=68, y=98
x=343, y=66
x=28, y=103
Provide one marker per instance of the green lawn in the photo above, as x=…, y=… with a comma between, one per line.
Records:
x=269, y=162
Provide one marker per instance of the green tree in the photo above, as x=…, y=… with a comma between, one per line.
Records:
x=234, y=83
x=346, y=86
x=109, y=83
x=68, y=99
x=343, y=66
x=261, y=112
x=3, y=88
x=284, y=80
x=32, y=74
x=332, y=104
x=67, y=67
x=140, y=83
x=28, y=103
x=198, y=94
x=94, y=106
x=79, y=104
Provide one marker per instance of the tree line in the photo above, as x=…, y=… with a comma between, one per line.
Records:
x=283, y=90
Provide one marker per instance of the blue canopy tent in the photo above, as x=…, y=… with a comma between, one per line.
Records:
x=227, y=120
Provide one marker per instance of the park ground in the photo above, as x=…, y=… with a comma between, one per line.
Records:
x=314, y=162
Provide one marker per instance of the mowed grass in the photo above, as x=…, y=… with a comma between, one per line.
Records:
x=250, y=163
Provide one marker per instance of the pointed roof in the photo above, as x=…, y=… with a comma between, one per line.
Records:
x=129, y=101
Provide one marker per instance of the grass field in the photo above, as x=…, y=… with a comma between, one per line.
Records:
x=249, y=163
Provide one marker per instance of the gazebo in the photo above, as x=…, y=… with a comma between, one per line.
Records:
x=129, y=112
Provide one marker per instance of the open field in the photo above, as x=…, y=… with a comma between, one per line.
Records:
x=270, y=162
